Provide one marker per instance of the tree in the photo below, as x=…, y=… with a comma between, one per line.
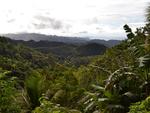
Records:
x=141, y=107
x=129, y=32
x=148, y=13
x=8, y=93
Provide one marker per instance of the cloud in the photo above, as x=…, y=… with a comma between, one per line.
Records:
x=83, y=32
x=47, y=22
x=99, y=18
x=41, y=26
x=11, y=20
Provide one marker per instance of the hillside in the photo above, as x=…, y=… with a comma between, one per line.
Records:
x=64, y=50
x=110, y=82
x=71, y=75
x=17, y=57
x=53, y=38
x=91, y=49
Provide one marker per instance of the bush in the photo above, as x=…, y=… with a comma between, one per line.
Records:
x=141, y=107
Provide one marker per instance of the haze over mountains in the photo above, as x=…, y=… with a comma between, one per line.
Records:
x=70, y=48
x=54, y=38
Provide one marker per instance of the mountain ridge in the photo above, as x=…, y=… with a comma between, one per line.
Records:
x=64, y=39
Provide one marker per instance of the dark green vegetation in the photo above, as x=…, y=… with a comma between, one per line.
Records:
x=118, y=81
x=53, y=38
x=65, y=51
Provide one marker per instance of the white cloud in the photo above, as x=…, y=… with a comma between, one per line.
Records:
x=97, y=18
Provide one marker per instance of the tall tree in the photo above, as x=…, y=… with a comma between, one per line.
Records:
x=148, y=13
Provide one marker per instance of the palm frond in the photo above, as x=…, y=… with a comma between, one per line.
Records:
x=148, y=13
x=117, y=76
x=98, y=87
x=144, y=60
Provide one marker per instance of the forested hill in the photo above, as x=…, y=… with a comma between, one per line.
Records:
x=54, y=38
x=64, y=50
x=117, y=81
x=113, y=81
x=12, y=50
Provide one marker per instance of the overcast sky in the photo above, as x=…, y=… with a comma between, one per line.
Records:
x=86, y=18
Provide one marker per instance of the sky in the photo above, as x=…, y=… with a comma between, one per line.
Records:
x=102, y=19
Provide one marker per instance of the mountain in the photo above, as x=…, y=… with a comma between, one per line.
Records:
x=65, y=50
x=91, y=49
x=109, y=43
x=39, y=37
x=18, y=53
x=54, y=38
x=32, y=79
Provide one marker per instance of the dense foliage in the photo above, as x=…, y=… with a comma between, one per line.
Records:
x=141, y=107
x=116, y=82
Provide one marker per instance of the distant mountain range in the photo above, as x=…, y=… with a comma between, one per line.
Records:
x=54, y=38
x=73, y=49
x=61, y=52
x=64, y=50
